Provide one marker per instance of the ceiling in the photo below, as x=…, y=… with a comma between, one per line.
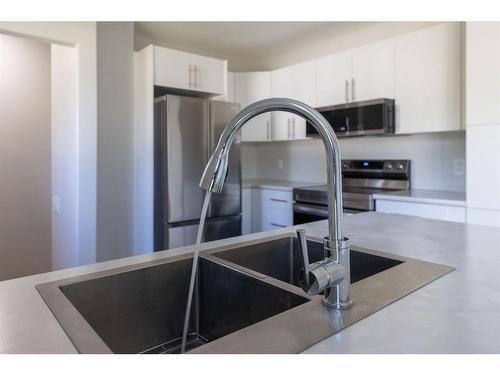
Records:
x=243, y=44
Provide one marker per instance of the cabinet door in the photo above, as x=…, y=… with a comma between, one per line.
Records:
x=428, y=65
x=229, y=96
x=173, y=69
x=249, y=88
x=295, y=82
x=373, y=71
x=483, y=167
x=302, y=78
x=276, y=209
x=333, y=74
x=281, y=87
x=429, y=211
x=187, y=71
x=246, y=210
x=210, y=75
x=483, y=73
x=281, y=126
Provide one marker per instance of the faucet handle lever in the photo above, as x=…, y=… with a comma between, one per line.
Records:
x=301, y=235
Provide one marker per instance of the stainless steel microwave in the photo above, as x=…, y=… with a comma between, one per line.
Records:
x=368, y=117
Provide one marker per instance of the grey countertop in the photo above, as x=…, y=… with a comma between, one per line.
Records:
x=447, y=198
x=458, y=313
x=276, y=184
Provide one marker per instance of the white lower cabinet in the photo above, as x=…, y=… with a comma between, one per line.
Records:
x=429, y=211
x=273, y=218
x=266, y=209
x=483, y=217
x=246, y=210
x=276, y=209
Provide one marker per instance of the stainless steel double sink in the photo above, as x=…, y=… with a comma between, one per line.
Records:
x=246, y=300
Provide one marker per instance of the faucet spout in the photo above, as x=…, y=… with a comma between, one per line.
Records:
x=335, y=243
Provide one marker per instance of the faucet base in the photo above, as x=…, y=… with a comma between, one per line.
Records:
x=338, y=305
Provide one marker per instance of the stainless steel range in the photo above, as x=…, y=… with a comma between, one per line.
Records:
x=361, y=179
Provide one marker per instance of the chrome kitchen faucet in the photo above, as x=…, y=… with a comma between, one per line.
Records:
x=331, y=274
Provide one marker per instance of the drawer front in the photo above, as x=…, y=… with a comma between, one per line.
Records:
x=273, y=218
x=429, y=211
x=277, y=199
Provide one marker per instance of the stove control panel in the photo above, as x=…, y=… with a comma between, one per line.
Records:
x=380, y=166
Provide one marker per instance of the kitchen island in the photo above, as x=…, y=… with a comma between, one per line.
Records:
x=458, y=313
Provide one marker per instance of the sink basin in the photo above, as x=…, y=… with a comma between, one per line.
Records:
x=142, y=310
x=246, y=299
x=282, y=259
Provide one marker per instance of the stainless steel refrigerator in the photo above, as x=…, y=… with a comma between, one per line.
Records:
x=187, y=130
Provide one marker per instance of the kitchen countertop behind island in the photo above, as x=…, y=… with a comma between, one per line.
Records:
x=458, y=313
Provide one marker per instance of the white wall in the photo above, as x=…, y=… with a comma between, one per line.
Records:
x=64, y=155
x=432, y=157
x=104, y=151
x=82, y=35
x=25, y=224
x=115, y=75
x=143, y=151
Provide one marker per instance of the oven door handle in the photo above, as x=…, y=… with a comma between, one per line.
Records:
x=310, y=209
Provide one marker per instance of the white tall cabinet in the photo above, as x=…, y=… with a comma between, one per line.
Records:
x=483, y=122
x=248, y=88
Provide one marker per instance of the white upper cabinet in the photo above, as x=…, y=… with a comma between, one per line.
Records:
x=302, y=77
x=364, y=73
x=295, y=82
x=187, y=71
x=428, y=65
x=249, y=88
x=333, y=79
x=483, y=73
x=373, y=71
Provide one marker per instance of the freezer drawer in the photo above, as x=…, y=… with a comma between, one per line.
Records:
x=215, y=229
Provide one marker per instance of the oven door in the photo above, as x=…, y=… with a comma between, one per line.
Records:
x=306, y=213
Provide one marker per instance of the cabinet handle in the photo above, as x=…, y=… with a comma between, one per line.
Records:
x=288, y=127
x=190, y=75
x=347, y=90
x=278, y=225
x=293, y=128
x=353, y=95
x=396, y=119
x=268, y=125
x=196, y=84
x=278, y=200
